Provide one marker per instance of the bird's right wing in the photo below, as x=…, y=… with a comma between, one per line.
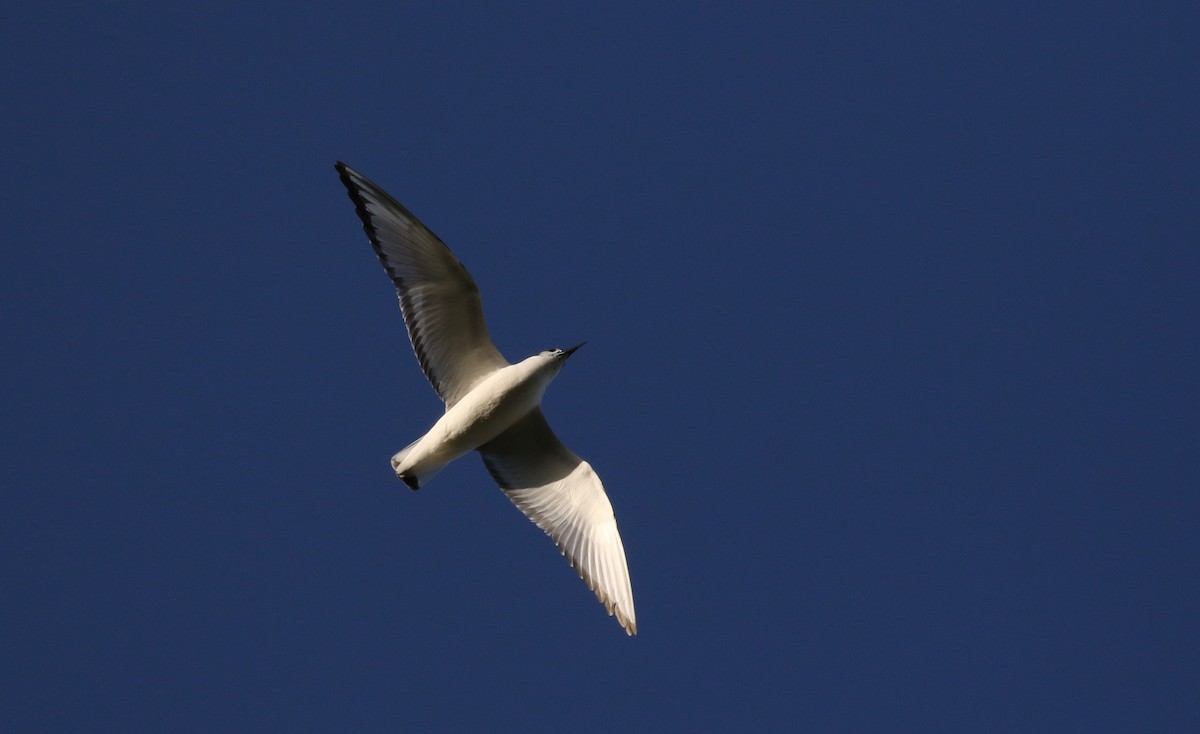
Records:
x=439, y=299
x=563, y=495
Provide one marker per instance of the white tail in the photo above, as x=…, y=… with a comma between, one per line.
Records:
x=414, y=479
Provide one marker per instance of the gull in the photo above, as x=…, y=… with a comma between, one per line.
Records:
x=492, y=407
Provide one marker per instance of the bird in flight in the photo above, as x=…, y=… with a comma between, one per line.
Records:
x=492, y=407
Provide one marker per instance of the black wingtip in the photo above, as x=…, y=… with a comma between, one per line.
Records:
x=346, y=174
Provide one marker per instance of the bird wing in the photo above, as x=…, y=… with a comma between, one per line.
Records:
x=562, y=494
x=439, y=299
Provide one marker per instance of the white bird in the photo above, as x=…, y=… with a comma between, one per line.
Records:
x=492, y=407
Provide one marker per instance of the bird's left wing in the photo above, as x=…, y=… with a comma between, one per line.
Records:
x=562, y=494
x=440, y=301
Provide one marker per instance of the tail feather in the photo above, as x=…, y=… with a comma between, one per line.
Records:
x=414, y=479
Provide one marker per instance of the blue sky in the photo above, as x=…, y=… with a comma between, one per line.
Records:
x=891, y=366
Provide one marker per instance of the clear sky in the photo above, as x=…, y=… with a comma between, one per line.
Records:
x=891, y=370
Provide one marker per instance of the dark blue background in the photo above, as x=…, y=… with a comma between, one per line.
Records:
x=891, y=373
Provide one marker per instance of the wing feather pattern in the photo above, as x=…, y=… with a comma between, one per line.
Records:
x=440, y=301
x=564, y=496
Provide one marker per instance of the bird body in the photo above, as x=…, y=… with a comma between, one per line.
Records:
x=492, y=407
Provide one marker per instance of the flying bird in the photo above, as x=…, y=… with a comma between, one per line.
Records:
x=492, y=407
